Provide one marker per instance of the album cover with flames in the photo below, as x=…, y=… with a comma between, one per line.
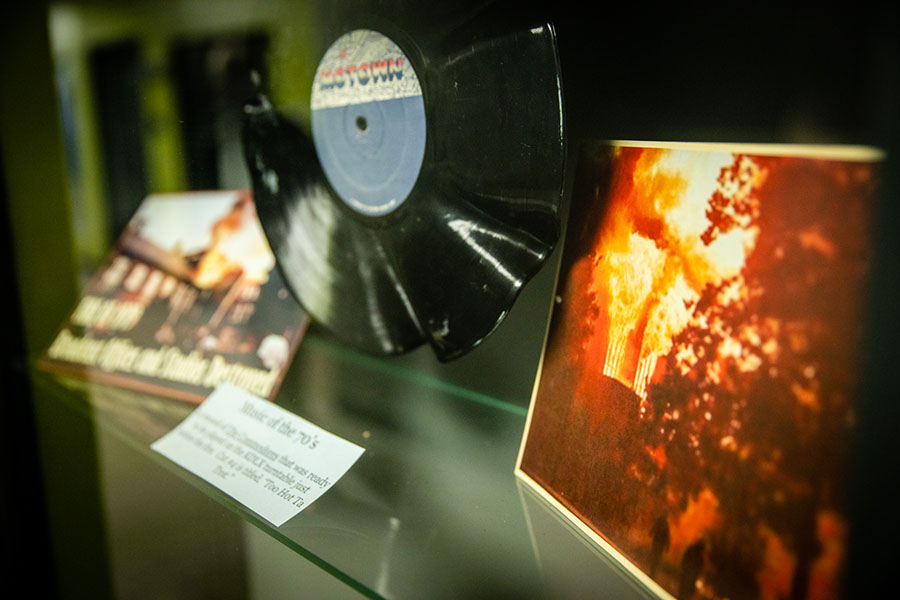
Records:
x=189, y=298
x=694, y=409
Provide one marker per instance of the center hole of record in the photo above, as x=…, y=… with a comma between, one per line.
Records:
x=361, y=124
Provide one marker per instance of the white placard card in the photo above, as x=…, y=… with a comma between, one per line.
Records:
x=268, y=459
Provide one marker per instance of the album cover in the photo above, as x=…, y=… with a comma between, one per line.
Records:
x=189, y=298
x=694, y=413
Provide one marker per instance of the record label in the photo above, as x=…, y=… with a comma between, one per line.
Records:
x=368, y=121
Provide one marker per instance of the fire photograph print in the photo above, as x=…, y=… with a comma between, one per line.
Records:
x=695, y=408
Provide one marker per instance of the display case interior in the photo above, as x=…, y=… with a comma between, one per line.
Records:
x=104, y=103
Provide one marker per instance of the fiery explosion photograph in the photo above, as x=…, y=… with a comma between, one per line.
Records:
x=695, y=403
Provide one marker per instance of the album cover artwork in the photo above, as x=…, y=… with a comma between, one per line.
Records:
x=694, y=413
x=189, y=298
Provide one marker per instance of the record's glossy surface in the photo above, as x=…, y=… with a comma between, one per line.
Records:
x=368, y=121
x=444, y=263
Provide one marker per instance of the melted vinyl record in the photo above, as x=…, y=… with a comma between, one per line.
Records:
x=427, y=192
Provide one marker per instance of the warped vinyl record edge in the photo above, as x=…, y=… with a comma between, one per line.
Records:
x=441, y=257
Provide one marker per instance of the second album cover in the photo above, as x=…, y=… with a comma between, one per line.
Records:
x=189, y=298
x=694, y=411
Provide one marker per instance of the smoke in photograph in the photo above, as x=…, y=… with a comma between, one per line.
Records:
x=695, y=406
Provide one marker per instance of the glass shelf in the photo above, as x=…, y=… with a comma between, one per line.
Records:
x=431, y=510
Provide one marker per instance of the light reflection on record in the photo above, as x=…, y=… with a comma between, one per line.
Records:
x=446, y=261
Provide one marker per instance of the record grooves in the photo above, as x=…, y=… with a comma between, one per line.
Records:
x=426, y=193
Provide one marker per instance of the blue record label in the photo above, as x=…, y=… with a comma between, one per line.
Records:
x=368, y=121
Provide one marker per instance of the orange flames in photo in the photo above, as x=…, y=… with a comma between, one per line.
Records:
x=652, y=262
x=238, y=248
x=696, y=400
